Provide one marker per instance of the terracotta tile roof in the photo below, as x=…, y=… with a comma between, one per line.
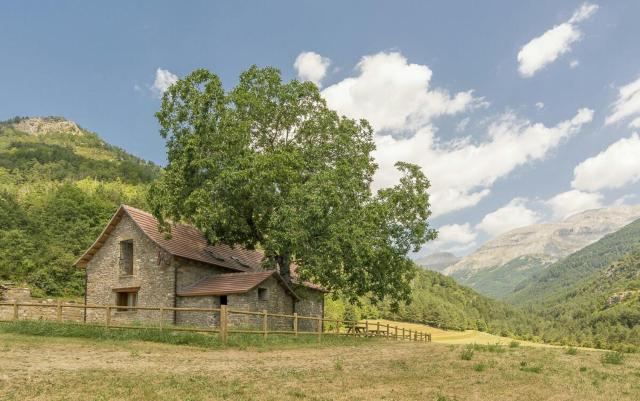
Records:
x=186, y=242
x=231, y=283
x=189, y=243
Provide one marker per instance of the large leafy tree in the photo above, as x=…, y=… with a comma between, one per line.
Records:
x=269, y=165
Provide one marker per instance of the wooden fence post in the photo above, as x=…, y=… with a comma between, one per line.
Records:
x=223, y=323
x=388, y=331
x=59, y=312
x=319, y=329
x=15, y=310
x=353, y=327
x=396, y=333
x=108, y=317
x=366, y=328
x=403, y=334
x=377, y=328
x=265, y=323
x=295, y=324
x=338, y=326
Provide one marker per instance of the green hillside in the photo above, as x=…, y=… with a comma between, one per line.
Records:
x=439, y=301
x=562, y=276
x=57, y=190
x=602, y=310
x=499, y=282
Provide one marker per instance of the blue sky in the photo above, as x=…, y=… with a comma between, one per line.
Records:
x=519, y=112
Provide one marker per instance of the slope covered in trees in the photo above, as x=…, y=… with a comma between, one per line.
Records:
x=439, y=301
x=561, y=276
x=602, y=310
x=57, y=190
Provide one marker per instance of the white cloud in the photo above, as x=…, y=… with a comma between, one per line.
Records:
x=461, y=171
x=635, y=123
x=164, y=79
x=627, y=104
x=312, y=67
x=454, y=238
x=462, y=125
x=624, y=200
x=571, y=202
x=545, y=49
x=395, y=97
x=513, y=215
x=393, y=94
x=574, y=64
x=614, y=167
x=540, y=105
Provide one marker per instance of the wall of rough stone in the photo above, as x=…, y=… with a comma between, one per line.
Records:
x=46, y=309
x=197, y=318
x=153, y=272
x=278, y=300
x=311, y=303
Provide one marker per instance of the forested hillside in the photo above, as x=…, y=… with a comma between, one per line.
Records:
x=59, y=184
x=439, y=301
x=561, y=276
x=600, y=311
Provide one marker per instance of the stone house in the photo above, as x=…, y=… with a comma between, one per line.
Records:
x=132, y=263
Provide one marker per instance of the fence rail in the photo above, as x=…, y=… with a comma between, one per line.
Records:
x=224, y=326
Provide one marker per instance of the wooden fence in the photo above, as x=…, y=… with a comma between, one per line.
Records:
x=322, y=326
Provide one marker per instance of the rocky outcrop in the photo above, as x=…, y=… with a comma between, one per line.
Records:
x=47, y=125
x=437, y=261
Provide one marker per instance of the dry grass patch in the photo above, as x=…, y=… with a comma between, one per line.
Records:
x=38, y=368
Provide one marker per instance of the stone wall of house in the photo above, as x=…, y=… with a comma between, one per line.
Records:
x=311, y=303
x=153, y=273
x=278, y=300
x=197, y=318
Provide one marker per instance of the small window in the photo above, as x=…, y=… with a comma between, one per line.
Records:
x=126, y=258
x=263, y=295
x=223, y=299
x=126, y=300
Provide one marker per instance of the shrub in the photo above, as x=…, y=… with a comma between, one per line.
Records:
x=514, y=344
x=583, y=368
x=612, y=358
x=572, y=351
x=525, y=367
x=466, y=354
x=480, y=367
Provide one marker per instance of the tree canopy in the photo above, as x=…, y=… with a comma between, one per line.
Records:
x=269, y=165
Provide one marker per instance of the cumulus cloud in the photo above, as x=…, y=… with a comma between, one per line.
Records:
x=574, y=63
x=614, y=167
x=513, y=215
x=393, y=94
x=454, y=238
x=627, y=105
x=545, y=49
x=571, y=202
x=164, y=79
x=540, y=105
x=396, y=97
x=311, y=66
x=462, y=171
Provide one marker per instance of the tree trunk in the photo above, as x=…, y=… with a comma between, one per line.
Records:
x=284, y=266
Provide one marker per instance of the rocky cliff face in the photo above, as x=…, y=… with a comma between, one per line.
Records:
x=437, y=261
x=535, y=247
x=47, y=125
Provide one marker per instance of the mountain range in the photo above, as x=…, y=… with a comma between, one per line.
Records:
x=499, y=266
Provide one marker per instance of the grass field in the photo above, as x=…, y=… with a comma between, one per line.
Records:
x=63, y=368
